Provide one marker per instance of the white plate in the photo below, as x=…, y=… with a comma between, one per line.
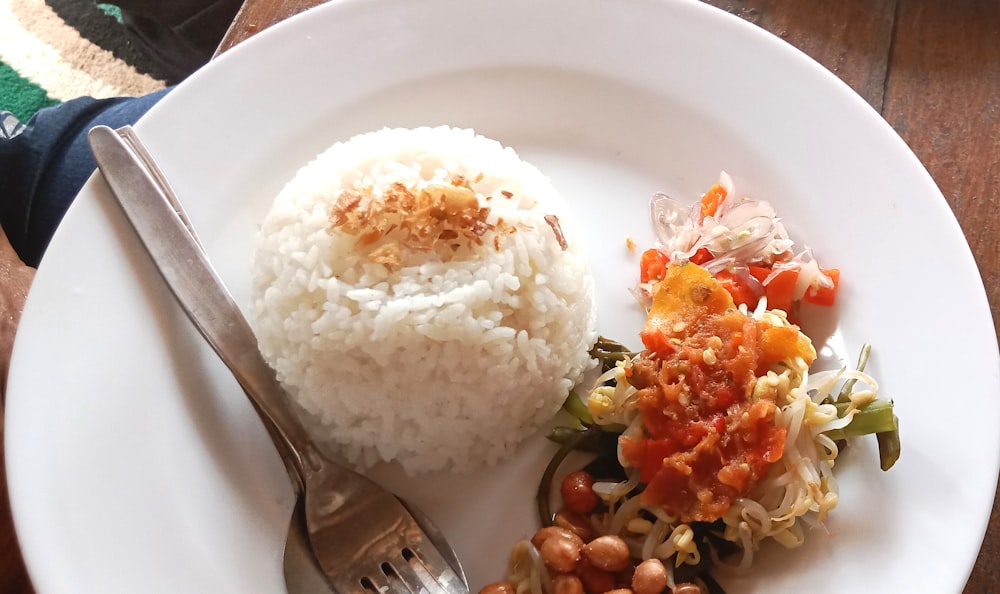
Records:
x=135, y=463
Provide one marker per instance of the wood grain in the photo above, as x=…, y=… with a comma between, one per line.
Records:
x=15, y=279
x=256, y=15
x=851, y=38
x=941, y=97
x=13, y=575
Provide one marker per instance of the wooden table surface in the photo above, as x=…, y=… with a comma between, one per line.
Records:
x=930, y=67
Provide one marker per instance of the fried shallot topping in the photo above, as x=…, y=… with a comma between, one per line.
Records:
x=553, y=222
x=442, y=214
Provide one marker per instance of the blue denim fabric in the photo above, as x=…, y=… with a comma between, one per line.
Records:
x=43, y=166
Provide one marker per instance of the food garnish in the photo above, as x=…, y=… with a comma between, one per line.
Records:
x=743, y=243
x=418, y=219
x=716, y=436
x=424, y=218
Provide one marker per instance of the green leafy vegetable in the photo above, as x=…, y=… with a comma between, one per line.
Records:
x=874, y=417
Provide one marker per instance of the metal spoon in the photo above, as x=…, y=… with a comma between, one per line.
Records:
x=360, y=536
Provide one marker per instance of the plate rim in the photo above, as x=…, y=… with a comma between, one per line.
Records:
x=302, y=21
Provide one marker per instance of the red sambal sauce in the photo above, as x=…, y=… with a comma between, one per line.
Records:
x=707, y=441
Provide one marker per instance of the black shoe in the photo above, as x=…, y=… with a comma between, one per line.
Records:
x=181, y=35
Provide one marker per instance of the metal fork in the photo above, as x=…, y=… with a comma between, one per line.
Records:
x=362, y=536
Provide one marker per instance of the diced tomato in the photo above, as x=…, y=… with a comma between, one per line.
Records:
x=690, y=434
x=701, y=256
x=780, y=290
x=718, y=423
x=725, y=396
x=711, y=200
x=654, y=452
x=759, y=272
x=633, y=450
x=652, y=265
x=742, y=293
x=656, y=341
x=823, y=295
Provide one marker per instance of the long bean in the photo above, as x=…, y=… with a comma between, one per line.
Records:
x=875, y=417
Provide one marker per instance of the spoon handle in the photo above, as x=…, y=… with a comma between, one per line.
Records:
x=200, y=292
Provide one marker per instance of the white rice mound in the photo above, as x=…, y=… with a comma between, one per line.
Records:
x=442, y=362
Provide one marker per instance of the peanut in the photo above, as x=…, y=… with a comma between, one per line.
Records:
x=575, y=523
x=554, y=531
x=595, y=581
x=498, y=588
x=567, y=583
x=560, y=554
x=609, y=553
x=577, y=491
x=650, y=577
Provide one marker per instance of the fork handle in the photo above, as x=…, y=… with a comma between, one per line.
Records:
x=201, y=294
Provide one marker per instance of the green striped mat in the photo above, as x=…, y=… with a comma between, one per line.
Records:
x=55, y=50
